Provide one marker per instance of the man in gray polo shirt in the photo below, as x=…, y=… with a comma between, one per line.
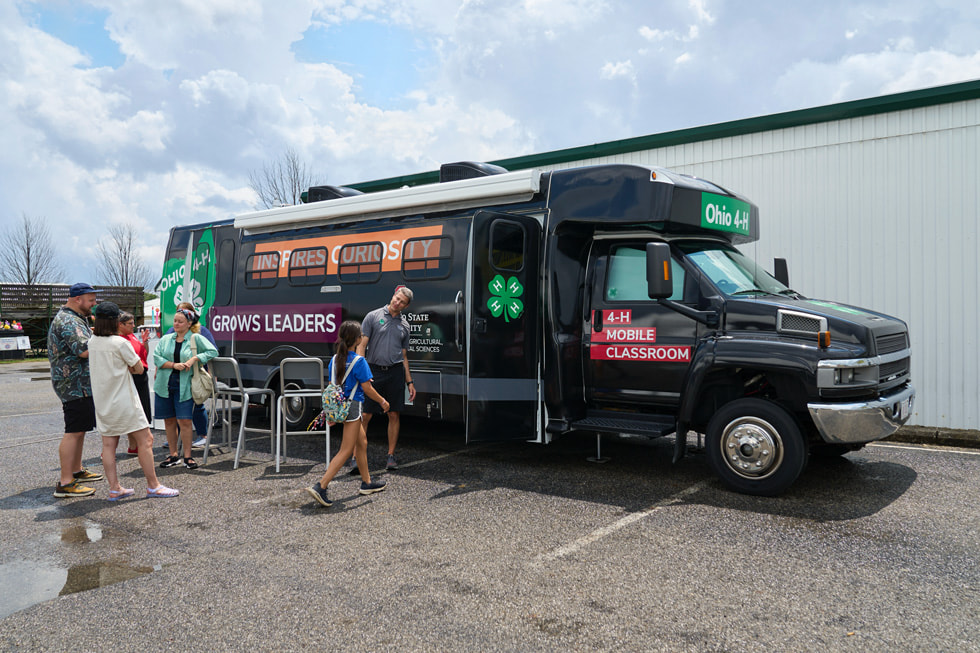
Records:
x=384, y=338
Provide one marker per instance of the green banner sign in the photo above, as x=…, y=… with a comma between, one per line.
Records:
x=723, y=213
x=201, y=286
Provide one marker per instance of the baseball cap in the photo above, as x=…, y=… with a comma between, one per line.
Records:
x=80, y=289
x=107, y=310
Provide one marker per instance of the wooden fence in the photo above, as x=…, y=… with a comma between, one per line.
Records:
x=36, y=305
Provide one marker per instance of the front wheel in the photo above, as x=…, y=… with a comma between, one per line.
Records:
x=755, y=447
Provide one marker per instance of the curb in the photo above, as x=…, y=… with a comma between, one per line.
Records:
x=967, y=438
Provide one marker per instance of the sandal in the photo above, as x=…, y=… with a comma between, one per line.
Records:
x=190, y=464
x=162, y=492
x=171, y=461
x=116, y=495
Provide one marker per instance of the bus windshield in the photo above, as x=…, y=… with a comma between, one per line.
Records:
x=732, y=272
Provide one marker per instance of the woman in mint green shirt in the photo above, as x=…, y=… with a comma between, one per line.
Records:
x=174, y=361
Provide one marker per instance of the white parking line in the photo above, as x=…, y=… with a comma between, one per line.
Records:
x=926, y=447
x=278, y=497
x=47, y=412
x=600, y=533
x=44, y=437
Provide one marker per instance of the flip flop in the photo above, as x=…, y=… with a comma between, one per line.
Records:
x=162, y=492
x=115, y=495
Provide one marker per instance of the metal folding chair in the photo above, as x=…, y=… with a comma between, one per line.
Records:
x=230, y=388
x=299, y=380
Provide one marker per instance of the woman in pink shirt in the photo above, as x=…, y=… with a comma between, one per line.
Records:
x=142, y=381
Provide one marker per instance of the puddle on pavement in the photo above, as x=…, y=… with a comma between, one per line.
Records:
x=38, y=580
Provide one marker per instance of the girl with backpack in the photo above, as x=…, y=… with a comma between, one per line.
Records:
x=356, y=375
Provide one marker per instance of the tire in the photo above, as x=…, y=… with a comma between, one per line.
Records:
x=298, y=411
x=755, y=447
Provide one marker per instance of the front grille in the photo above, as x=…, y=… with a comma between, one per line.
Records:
x=899, y=367
x=891, y=343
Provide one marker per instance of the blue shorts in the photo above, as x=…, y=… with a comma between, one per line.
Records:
x=172, y=406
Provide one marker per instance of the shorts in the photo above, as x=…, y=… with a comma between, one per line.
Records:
x=79, y=415
x=390, y=384
x=354, y=412
x=172, y=406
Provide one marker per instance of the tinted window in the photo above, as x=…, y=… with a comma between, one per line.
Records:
x=427, y=258
x=626, y=280
x=360, y=262
x=226, y=272
x=308, y=267
x=262, y=270
x=507, y=246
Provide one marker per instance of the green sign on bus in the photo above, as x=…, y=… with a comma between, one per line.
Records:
x=723, y=213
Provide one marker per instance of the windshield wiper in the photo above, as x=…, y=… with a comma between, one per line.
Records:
x=791, y=293
x=753, y=291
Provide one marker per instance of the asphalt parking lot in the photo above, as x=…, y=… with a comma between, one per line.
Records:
x=495, y=547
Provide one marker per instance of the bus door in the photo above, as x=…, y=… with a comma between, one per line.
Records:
x=637, y=352
x=503, y=328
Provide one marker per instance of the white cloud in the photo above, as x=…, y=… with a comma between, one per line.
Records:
x=810, y=83
x=701, y=10
x=617, y=70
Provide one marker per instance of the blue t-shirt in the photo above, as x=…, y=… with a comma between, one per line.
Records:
x=358, y=375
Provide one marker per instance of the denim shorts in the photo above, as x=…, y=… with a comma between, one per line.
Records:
x=172, y=406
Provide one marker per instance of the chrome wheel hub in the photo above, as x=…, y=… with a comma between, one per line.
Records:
x=751, y=447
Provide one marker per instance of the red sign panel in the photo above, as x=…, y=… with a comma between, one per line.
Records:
x=653, y=353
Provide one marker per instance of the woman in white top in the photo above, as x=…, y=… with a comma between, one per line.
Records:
x=118, y=411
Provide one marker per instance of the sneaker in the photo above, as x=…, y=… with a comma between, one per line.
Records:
x=199, y=443
x=320, y=494
x=86, y=476
x=372, y=487
x=133, y=452
x=392, y=463
x=352, y=465
x=73, y=489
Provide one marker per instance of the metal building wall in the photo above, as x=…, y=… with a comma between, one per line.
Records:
x=880, y=211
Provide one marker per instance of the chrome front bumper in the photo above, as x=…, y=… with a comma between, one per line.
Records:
x=866, y=421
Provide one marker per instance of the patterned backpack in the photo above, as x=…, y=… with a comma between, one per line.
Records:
x=336, y=403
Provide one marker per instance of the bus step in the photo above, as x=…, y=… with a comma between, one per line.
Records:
x=652, y=426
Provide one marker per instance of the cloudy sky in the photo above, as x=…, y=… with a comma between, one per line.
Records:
x=153, y=112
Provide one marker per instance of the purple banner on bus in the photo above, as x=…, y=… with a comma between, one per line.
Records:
x=276, y=323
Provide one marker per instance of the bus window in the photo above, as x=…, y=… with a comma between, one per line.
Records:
x=360, y=262
x=627, y=277
x=427, y=258
x=308, y=266
x=507, y=246
x=226, y=272
x=262, y=270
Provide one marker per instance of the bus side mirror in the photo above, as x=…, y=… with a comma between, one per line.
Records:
x=660, y=280
x=780, y=271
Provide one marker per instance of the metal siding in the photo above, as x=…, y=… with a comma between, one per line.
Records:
x=878, y=211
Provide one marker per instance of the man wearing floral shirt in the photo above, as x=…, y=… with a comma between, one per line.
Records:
x=68, y=353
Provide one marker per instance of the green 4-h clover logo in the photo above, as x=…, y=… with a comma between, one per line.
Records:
x=505, y=298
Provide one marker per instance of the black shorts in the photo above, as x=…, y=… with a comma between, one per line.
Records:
x=390, y=384
x=79, y=415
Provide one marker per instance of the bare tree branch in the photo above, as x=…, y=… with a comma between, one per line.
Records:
x=27, y=253
x=120, y=264
x=281, y=182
